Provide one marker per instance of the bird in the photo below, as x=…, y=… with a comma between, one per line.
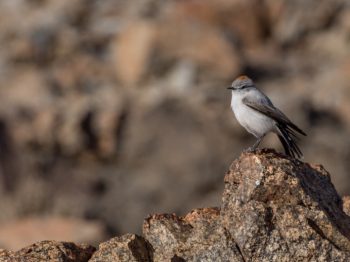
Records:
x=256, y=113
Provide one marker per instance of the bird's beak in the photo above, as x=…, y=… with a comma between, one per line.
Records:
x=230, y=87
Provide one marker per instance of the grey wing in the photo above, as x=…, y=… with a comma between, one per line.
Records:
x=265, y=107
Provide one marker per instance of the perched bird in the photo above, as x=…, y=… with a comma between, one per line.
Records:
x=256, y=113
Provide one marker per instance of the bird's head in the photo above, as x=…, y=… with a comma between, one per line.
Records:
x=241, y=82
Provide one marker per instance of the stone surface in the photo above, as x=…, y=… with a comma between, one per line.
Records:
x=346, y=205
x=50, y=251
x=281, y=209
x=196, y=237
x=166, y=232
x=274, y=208
x=175, y=258
x=9, y=256
x=129, y=247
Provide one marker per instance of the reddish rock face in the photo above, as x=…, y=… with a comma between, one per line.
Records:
x=274, y=208
x=129, y=247
x=197, y=237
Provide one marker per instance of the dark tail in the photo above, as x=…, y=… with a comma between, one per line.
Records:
x=290, y=147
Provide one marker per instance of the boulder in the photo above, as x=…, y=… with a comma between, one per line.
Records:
x=274, y=208
x=129, y=247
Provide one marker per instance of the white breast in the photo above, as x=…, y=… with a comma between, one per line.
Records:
x=253, y=121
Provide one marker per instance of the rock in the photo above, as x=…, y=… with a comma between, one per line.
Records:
x=50, y=251
x=346, y=205
x=208, y=238
x=224, y=251
x=274, y=208
x=9, y=256
x=166, y=233
x=279, y=208
x=129, y=247
x=175, y=258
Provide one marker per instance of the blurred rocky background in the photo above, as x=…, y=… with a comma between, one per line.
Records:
x=112, y=110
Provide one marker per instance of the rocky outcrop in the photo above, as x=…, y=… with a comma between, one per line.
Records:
x=197, y=237
x=280, y=209
x=49, y=251
x=274, y=208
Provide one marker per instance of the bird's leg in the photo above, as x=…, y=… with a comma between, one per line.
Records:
x=252, y=149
